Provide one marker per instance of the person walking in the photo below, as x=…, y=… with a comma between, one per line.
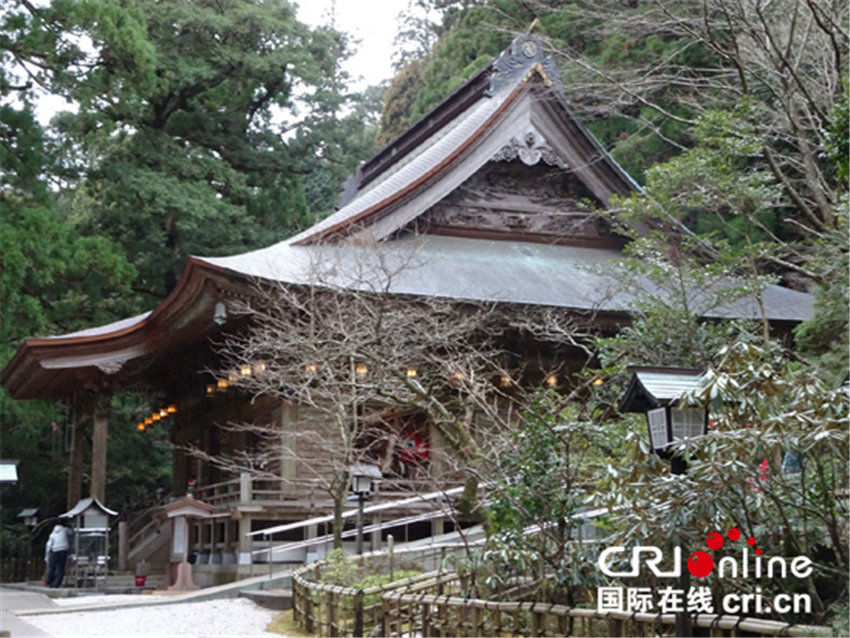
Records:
x=55, y=554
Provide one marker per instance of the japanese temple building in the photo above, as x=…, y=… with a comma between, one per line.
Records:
x=490, y=187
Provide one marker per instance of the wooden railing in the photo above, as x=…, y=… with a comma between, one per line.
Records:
x=271, y=492
x=431, y=605
x=220, y=494
x=332, y=610
x=151, y=523
x=14, y=569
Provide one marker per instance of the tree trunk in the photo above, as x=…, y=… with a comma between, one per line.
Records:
x=339, y=500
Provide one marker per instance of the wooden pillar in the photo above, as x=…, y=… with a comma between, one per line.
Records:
x=122, y=546
x=245, y=488
x=244, y=541
x=214, y=540
x=81, y=412
x=179, y=473
x=100, y=421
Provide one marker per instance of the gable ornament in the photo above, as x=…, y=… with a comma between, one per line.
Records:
x=525, y=52
x=530, y=148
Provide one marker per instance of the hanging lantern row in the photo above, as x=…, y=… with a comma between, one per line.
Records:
x=158, y=415
x=244, y=370
x=361, y=370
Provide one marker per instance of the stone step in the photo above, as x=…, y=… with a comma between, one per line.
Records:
x=113, y=584
x=278, y=599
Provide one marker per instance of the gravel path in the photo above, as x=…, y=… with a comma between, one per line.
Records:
x=207, y=619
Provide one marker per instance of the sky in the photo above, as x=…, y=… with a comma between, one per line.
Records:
x=371, y=23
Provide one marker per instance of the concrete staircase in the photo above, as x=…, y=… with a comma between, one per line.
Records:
x=150, y=544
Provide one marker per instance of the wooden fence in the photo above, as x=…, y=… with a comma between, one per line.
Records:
x=15, y=569
x=331, y=610
x=430, y=605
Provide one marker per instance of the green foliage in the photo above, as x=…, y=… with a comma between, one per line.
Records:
x=139, y=463
x=378, y=580
x=716, y=189
x=348, y=571
x=825, y=336
x=534, y=470
x=838, y=142
x=195, y=155
x=761, y=406
x=539, y=482
x=52, y=280
x=344, y=142
x=336, y=570
x=471, y=34
x=197, y=123
x=33, y=433
x=398, y=101
x=356, y=573
x=674, y=292
x=199, y=128
x=47, y=37
x=841, y=620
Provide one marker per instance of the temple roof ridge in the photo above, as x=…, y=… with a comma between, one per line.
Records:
x=526, y=53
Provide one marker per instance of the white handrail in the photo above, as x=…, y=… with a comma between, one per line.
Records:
x=368, y=529
x=430, y=496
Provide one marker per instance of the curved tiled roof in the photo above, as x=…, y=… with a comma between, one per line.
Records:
x=115, y=326
x=427, y=157
x=462, y=268
x=570, y=277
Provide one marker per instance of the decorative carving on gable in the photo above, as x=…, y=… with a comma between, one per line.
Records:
x=530, y=148
x=521, y=198
x=576, y=225
x=525, y=52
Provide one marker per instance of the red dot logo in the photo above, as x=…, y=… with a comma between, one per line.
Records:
x=700, y=564
x=734, y=533
x=714, y=540
x=751, y=540
x=758, y=551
